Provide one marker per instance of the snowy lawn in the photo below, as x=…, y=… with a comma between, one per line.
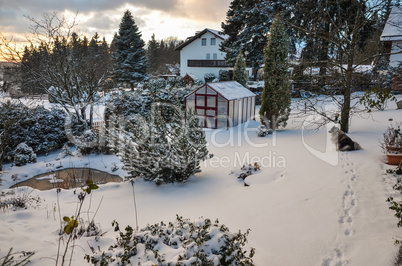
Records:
x=326, y=208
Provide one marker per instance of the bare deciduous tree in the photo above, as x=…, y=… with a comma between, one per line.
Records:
x=339, y=30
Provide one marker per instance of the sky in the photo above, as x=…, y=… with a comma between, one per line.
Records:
x=164, y=18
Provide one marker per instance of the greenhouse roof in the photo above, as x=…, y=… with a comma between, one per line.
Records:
x=231, y=90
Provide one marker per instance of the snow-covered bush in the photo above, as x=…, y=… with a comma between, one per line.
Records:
x=41, y=129
x=183, y=242
x=152, y=134
x=87, y=142
x=209, y=77
x=24, y=154
x=159, y=150
x=22, y=199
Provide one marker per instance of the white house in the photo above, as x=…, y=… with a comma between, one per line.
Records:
x=392, y=33
x=200, y=54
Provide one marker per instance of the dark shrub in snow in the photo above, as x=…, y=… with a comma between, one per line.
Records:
x=42, y=129
x=209, y=77
x=24, y=154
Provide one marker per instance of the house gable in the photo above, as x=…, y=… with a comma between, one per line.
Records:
x=201, y=54
x=392, y=33
x=215, y=33
x=393, y=28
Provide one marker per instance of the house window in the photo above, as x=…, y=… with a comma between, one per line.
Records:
x=204, y=41
x=208, y=56
x=215, y=56
x=213, y=41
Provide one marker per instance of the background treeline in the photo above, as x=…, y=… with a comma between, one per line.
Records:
x=162, y=59
x=38, y=61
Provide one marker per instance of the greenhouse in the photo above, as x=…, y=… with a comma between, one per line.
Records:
x=222, y=104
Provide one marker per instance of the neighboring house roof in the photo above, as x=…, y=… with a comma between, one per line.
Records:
x=393, y=28
x=199, y=34
x=192, y=76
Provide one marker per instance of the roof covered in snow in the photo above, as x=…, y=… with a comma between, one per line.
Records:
x=189, y=40
x=393, y=28
x=191, y=75
x=231, y=90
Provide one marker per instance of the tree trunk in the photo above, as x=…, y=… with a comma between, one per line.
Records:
x=323, y=58
x=84, y=117
x=91, y=116
x=273, y=122
x=3, y=146
x=345, y=112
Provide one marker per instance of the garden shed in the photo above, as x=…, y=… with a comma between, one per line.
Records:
x=222, y=104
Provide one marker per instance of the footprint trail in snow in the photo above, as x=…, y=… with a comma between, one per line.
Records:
x=346, y=217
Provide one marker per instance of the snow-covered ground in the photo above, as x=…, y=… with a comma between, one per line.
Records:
x=309, y=205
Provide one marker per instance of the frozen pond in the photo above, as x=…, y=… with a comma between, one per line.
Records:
x=68, y=178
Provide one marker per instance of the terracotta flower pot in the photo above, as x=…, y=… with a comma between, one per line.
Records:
x=394, y=159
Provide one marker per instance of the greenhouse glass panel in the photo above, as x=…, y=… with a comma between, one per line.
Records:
x=253, y=107
x=190, y=102
x=240, y=114
x=210, y=91
x=211, y=122
x=222, y=106
x=211, y=101
x=235, y=113
x=245, y=108
x=201, y=90
x=200, y=101
x=211, y=112
x=231, y=107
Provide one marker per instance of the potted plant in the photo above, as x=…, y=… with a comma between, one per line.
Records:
x=391, y=143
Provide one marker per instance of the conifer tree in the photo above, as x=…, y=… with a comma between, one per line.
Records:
x=159, y=150
x=239, y=71
x=130, y=64
x=247, y=24
x=276, y=99
x=152, y=55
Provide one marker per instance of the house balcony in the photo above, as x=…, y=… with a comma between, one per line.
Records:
x=206, y=63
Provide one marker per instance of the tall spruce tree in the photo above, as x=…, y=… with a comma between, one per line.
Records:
x=247, y=24
x=152, y=55
x=276, y=99
x=239, y=71
x=130, y=61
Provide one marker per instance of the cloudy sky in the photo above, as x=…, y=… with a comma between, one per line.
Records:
x=165, y=18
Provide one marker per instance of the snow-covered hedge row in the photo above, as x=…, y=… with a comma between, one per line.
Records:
x=180, y=243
